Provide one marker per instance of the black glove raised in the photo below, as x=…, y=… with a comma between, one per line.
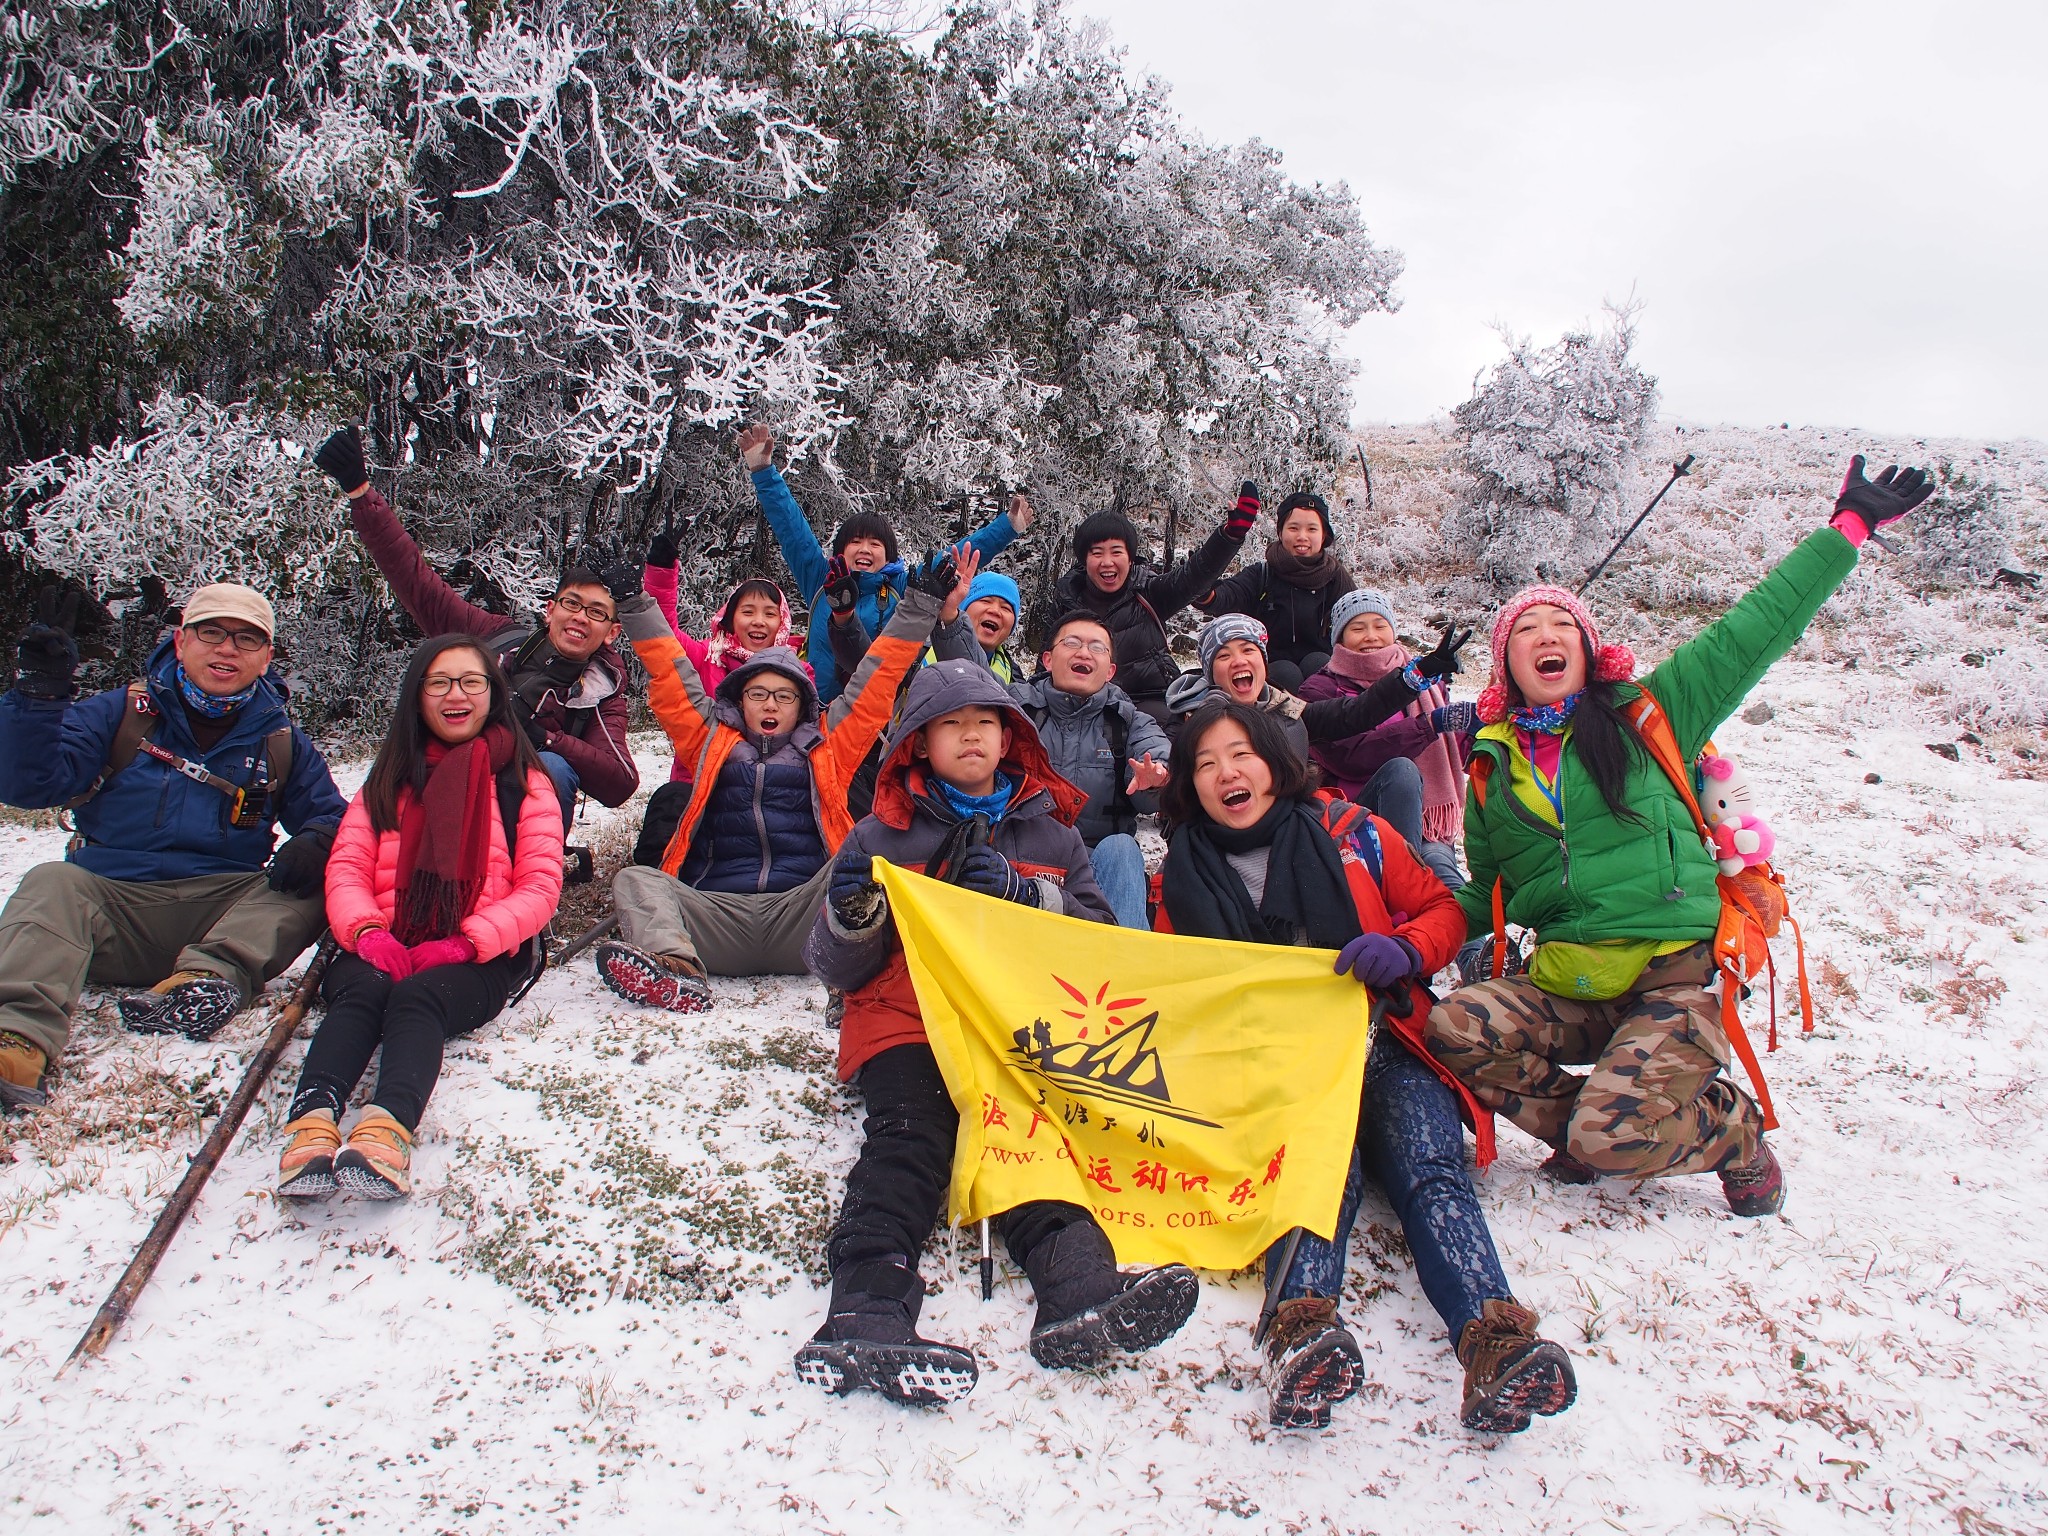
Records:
x=622, y=579
x=661, y=550
x=1893, y=494
x=842, y=589
x=342, y=457
x=47, y=656
x=1237, y=522
x=1443, y=661
x=938, y=576
x=299, y=867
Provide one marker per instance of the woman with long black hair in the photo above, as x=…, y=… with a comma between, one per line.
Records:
x=446, y=868
x=1256, y=856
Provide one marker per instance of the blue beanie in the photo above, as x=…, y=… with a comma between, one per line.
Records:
x=994, y=584
x=1348, y=607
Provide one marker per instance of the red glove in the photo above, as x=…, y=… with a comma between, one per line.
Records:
x=384, y=952
x=455, y=951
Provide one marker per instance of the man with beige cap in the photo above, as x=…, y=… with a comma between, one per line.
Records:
x=174, y=785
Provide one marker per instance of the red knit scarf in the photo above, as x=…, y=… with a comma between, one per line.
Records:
x=444, y=836
x=1443, y=771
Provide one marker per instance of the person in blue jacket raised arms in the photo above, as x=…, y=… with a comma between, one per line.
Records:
x=863, y=548
x=176, y=784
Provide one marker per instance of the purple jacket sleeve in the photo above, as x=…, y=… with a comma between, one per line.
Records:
x=434, y=605
x=602, y=757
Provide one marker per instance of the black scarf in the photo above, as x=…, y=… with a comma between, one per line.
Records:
x=1311, y=575
x=1306, y=892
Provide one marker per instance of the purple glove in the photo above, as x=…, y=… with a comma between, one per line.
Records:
x=1379, y=960
x=384, y=952
x=454, y=951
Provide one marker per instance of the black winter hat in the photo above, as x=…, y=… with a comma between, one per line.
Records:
x=1307, y=499
x=1100, y=528
x=866, y=525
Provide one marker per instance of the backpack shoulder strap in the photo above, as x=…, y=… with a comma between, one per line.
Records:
x=1120, y=807
x=277, y=755
x=1654, y=727
x=139, y=718
x=511, y=796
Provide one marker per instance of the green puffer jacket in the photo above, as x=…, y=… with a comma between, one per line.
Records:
x=1604, y=878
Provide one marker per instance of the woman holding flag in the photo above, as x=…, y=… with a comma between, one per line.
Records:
x=1255, y=856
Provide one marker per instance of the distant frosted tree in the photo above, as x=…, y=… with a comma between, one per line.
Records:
x=1965, y=531
x=1546, y=445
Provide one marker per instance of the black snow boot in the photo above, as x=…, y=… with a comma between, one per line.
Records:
x=870, y=1339
x=1088, y=1309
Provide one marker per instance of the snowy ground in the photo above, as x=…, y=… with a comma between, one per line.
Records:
x=587, y=1311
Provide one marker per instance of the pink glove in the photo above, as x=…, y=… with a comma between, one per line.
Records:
x=455, y=951
x=384, y=952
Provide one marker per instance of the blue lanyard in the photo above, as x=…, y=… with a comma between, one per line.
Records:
x=1548, y=787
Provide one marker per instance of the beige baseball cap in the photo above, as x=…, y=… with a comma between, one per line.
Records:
x=231, y=600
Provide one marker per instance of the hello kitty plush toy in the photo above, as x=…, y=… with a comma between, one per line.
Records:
x=1740, y=839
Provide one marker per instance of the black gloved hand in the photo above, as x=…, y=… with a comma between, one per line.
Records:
x=535, y=731
x=1238, y=521
x=1893, y=494
x=852, y=893
x=621, y=578
x=47, y=656
x=661, y=550
x=1443, y=661
x=842, y=589
x=342, y=457
x=299, y=867
x=938, y=576
x=982, y=869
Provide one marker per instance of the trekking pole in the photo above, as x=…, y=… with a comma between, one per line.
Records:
x=1364, y=469
x=1276, y=1279
x=121, y=1299
x=988, y=1264
x=584, y=940
x=1682, y=467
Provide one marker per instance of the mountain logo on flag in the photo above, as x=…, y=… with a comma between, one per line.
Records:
x=1121, y=1067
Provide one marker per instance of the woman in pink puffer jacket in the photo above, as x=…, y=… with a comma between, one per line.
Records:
x=437, y=913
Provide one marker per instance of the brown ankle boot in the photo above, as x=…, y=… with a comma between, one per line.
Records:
x=1509, y=1372
x=22, y=1064
x=1312, y=1361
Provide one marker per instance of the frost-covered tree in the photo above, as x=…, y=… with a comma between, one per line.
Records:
x=1964, y=533
x=1546, y=444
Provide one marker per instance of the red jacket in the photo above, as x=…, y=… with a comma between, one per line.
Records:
x=1408, y=902
x=587, y=729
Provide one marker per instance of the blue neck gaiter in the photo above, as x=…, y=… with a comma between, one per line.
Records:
x=212, y=705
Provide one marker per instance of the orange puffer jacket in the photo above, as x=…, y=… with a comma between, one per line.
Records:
x=521, y=888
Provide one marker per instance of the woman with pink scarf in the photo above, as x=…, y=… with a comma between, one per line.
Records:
x=1409, y=770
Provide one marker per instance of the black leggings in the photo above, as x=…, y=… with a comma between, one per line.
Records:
x=411, y=1019
x=895, y=1190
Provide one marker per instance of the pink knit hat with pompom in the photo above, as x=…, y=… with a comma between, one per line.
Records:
x=1611, y=663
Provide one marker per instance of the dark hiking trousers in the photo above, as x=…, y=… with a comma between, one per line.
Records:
x=411, y=1019
x=1411, y=1146
x=896, y=1189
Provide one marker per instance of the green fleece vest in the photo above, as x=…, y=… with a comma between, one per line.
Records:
x=1599, y=877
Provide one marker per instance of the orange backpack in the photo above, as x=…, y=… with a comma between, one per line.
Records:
x=1753, y=905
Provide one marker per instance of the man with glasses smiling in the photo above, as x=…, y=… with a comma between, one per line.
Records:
x=1105, y=746
x=175, y=785
x=567, y=680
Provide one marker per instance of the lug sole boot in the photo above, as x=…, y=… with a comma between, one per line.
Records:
x=1312, y=1362
x=1757, y=1188
x=648, y=980
x=190, y=1003
x=1089, y=1310
x=870, y=1343
x=1510, y=1373
x=22, y=1065
x=306, y=1170
x=377, y=1162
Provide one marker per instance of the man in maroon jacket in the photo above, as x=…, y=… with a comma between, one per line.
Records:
x=567, y=681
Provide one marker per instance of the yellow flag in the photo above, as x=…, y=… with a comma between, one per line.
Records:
x=1200, y=1097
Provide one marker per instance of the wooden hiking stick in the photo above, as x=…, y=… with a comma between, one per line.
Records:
x=584, y=940
x=121, y=1299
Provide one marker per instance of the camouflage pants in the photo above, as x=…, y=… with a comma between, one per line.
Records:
x=1658, y=1099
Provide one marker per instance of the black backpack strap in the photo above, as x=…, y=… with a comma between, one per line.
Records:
x=511, y=785
x=1120, y=807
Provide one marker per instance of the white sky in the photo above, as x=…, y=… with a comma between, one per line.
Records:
x=1834, y=213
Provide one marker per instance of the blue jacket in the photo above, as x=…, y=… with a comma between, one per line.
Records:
x=760, y=833
x=879, y=590
x=150, y=822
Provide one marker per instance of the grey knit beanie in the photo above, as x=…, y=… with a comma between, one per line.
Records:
x=1223, y=629
x=1348, y=607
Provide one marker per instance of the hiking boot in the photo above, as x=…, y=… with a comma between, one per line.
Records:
x=1088, y=1309
x=22, y=1064
x=870, y=1341
x=1509, y=1372
x=377, y=1162
x=194, y=1004
x=1757, y=1188
x=1562, y=1167
x=653, y=981
x=306, y=1171
x=1312, y=1361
